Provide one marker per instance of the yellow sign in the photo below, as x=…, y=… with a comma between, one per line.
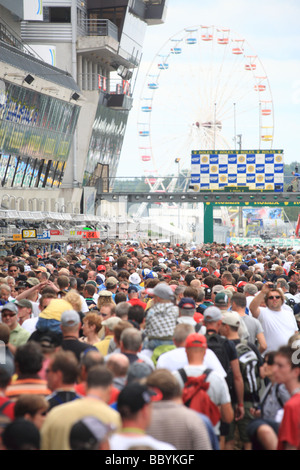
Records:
x=17, y=237
x=30, y=233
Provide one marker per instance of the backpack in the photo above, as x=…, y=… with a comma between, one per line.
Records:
x=217, y=343
x=249, y=365
x=195, y=396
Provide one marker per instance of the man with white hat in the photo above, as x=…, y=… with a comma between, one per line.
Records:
x=109, y=325
x=135, y=279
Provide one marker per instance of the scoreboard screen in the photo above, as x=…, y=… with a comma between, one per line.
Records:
x=254, y=169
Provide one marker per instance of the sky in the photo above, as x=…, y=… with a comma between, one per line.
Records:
x=270, y=29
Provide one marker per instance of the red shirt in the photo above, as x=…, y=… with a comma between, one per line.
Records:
x=9, y=410
x=137, y=302
x=289, y=430
x=81, y=389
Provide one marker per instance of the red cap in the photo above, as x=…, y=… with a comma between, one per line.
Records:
x=195, y=340
x=241, y=284
x=198, y=317
x=101, y=268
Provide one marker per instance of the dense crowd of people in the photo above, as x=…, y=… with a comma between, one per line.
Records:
x=150, y=346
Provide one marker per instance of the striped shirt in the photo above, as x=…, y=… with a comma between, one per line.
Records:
x=30, y=386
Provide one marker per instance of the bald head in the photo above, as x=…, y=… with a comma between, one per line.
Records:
x=118, y=364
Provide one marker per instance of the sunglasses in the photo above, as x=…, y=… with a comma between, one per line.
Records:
x=123, y=288
x=8, y=315
x=272, y=297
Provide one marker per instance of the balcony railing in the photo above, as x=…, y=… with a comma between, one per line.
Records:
x=94, y=81
x=94, y=27
x=9, y=38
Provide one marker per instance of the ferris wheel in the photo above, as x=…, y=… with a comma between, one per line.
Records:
x=205, y=90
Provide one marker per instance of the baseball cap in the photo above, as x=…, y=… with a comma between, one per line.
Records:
x=231, y=318
x=111, y=281
x=151, y=275
x=195, y=340
x=23, y=303
x=11, y=306
x=221, y=298
x=70, y=318
x=198, y=317
x=101, y=267
x=41, y=269
x=274, y=266
x=145, y=272
x=88, y=432
x=111, y=322
x=132, y=289
x=134, y=278
x=212, y=314
x=32, y=281
x=162, y=290
x=187, y=302
x=105, y=293
x=217, y=288
x=134, y=396
x=243, y=267
x=138, y=370
x=241, y=284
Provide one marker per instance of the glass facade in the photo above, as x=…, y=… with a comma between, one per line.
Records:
x=106, y=143
x=36, y=134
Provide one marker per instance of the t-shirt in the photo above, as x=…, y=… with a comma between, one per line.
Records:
x=56, y=429
x=103, y=345
x=177, y=358
x=30, y=324
x=289, y=430
x=278, y=327
x=61, y=396
x=18, y=336
x=73, y=344
x=254, y=327
x=119, y=441
x=137, y=302
x=217, y=391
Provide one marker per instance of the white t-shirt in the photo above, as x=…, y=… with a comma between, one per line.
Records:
x=30, y=324
x=278, y=326
x=217, y=391
x=177, y=358
x=120, y=441
x=84, y=306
